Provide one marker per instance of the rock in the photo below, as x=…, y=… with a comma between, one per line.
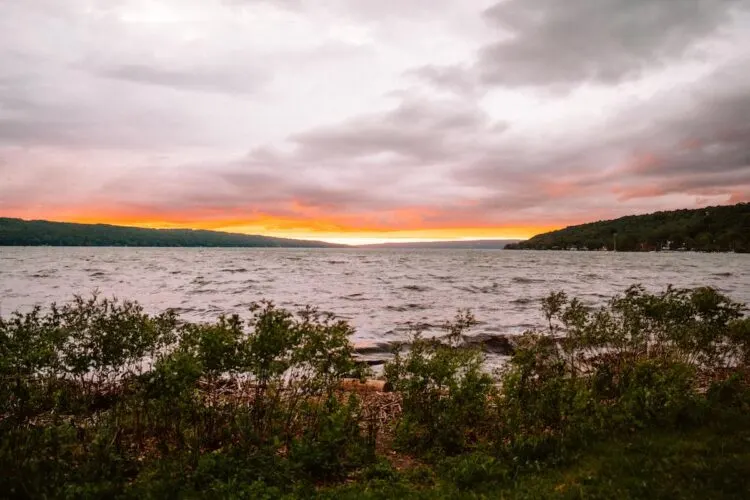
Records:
x=373, y=361
x=371, y=352
x=371, y=347
x=503, y=345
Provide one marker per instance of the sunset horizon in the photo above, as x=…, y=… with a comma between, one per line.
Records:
x=348, y=236
x=352, y=120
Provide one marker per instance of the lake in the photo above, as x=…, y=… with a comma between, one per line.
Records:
x=383, y=292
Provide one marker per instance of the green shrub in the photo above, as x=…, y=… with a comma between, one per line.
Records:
x=333, y=442
x=443, y=388
x=731, y=393
x=75, y=355
x=656, y=392
x=99, y=399
x=633, y=363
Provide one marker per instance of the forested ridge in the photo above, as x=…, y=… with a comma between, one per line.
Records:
x=710, y=229
x=33, y=233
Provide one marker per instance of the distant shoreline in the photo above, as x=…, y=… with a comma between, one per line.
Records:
x=625, y=251
x=372, y=247
x=19, y=232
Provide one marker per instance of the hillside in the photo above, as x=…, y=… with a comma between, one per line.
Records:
x=457, y=244
x=18, y=232
x=710, y=229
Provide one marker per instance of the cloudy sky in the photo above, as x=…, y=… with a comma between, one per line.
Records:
x=351, y=119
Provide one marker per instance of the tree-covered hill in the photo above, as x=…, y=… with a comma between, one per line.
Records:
x=710, y=229
x=22, y=233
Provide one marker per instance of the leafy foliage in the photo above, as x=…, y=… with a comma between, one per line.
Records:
x=444, y=390
x=640, y=361
x=99, y=399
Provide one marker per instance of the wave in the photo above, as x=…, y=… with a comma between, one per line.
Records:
x=43, y=274
x=407, y=307
x=494, y=287
x=355, y=297
x=525, y=280
x=522, y=300
x=447, y=279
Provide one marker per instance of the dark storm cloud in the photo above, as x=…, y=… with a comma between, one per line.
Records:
x=552, y=42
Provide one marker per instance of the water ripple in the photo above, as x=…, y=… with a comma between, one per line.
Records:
x=384, y=293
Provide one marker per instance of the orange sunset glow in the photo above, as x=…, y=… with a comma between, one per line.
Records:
x=331, y=229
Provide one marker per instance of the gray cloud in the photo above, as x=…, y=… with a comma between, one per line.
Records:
x=424, y=130
x=549, y=42
x=695, y=145
x=451, y=78
x=52, y=109
x=200, y=78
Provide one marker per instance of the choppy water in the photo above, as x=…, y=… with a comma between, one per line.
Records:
x=382, y=292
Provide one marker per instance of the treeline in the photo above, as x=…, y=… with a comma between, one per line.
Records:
x=100, y=400
x=710, y=229
x=18, y=232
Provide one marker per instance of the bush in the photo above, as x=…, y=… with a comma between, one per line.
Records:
x=333, y=443
x=636, y=362
x=98, y=392
x=76, y=354
x=99, y=399
x=732, y=393
x=444, y=391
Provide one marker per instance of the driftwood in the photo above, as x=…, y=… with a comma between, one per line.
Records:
x=359, y=386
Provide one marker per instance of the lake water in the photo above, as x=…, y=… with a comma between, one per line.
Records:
x=382, y=292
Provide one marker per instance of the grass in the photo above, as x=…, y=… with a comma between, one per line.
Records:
x=712, y=461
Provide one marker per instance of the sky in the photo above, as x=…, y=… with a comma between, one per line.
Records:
x=371, y=120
